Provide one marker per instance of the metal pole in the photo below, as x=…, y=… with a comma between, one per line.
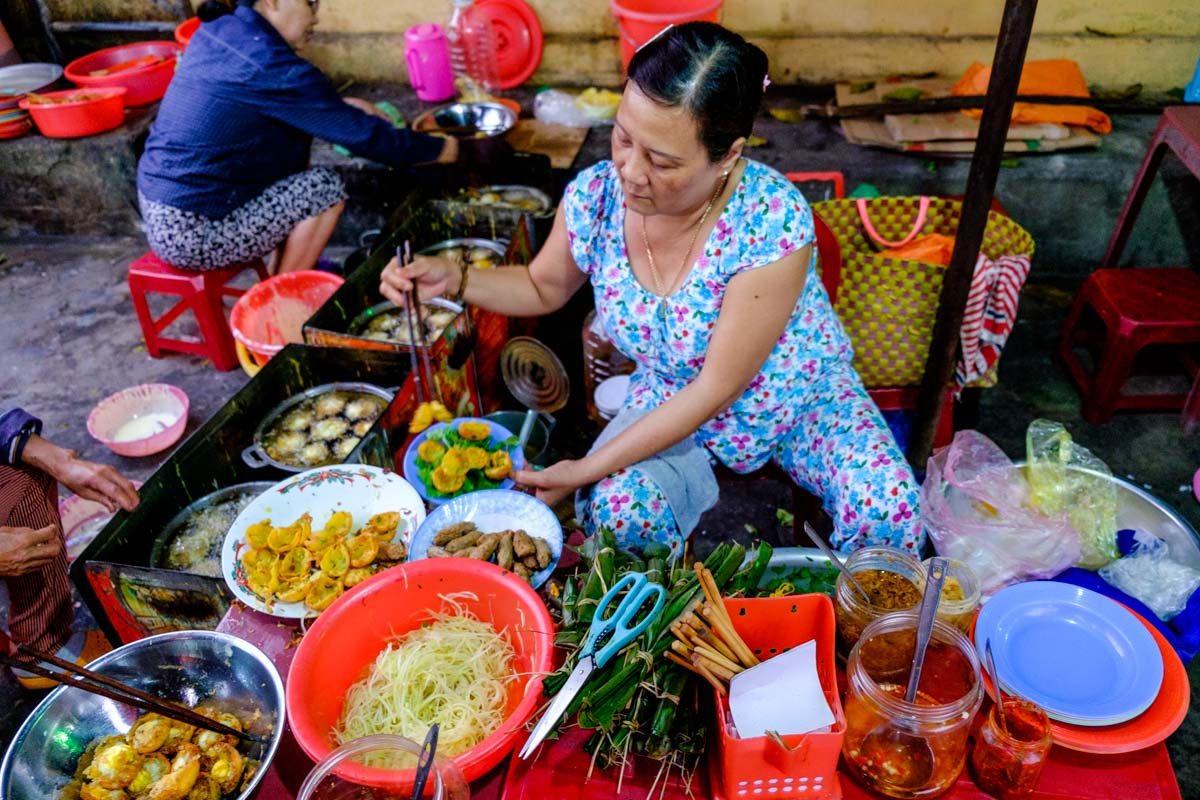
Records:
x=1011, y=45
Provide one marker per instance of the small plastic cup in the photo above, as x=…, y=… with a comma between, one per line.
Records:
x=327, y=782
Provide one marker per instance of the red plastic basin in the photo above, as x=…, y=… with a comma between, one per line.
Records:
x=145, y=84
x=272, y=312
x=99, y=109
x=184, y=30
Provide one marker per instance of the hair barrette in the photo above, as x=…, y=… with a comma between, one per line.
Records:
x=655, y=36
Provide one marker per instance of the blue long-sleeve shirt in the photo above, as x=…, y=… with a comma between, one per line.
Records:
x=241, y=113
x=16, y=426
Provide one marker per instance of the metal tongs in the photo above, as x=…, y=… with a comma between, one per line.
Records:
x=424, y=382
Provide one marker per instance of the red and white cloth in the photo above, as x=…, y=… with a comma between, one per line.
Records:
x=990, y=314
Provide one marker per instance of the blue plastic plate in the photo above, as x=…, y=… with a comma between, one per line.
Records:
x=499, y=434
x=492, y=511
x=1081, y=656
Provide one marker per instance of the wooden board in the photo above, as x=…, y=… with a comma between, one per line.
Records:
x=560, y=142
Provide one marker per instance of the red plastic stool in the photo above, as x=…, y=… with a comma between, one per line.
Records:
x=1138, y=307
x=203, y=293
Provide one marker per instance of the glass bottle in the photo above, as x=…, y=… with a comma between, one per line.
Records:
x=472, y=45
x=601, y=360
x=886, y=568
x=1007, y=761
x=930, y=752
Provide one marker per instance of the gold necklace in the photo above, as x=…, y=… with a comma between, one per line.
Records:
x=658, y=284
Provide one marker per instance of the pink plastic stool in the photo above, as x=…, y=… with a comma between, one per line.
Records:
x=203, y=293
x=1139, y=307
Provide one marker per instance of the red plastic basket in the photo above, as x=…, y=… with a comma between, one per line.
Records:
x=758, y=766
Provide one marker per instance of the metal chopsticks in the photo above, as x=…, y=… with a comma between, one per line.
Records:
x=404, y=256
x=82, y=678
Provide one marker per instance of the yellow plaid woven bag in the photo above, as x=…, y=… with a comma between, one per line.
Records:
x=888, y=305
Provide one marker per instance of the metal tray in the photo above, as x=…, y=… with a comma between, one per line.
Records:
x=547, y=205
x=256, y=455
x=495, y=246
x=359, y=323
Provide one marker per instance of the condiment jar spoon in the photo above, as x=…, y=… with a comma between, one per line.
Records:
x=991, y=665
x=824, y=547
x=888, y=740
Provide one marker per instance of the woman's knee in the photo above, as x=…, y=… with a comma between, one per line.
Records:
x=633, y=507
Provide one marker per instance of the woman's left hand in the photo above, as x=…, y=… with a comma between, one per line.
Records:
x=365, y=106
x=554, y=482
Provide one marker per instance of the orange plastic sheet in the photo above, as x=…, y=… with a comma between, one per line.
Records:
x=1059, y=76
x=934, y=248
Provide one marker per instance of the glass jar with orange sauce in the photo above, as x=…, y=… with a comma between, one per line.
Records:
x=1007, y=760
x=893, y=579
x=909, y=750
x=961, y=594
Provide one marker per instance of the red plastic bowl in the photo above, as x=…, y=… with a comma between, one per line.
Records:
x=344, y=641
x=272, y=312
x=184, y=30
x=102, y=109
x=145, y=84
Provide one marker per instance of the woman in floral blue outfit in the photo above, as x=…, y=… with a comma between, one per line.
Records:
x=702, y=266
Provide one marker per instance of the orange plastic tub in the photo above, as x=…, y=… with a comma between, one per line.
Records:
x=758, y=765
x=185, y=30
x=344, y=641
x=272, y=313
x=77, y=112
x=144, y=68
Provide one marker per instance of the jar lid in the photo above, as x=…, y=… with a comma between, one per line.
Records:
x=610, y=395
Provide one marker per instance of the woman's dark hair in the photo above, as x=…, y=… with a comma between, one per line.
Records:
x=211, y=9
x=712, y=72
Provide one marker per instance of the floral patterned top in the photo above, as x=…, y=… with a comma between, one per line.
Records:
x=765, y=219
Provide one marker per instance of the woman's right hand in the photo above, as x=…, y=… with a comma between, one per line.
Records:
x=433, y=277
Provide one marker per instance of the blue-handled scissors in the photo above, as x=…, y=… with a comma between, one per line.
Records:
x=607, y=636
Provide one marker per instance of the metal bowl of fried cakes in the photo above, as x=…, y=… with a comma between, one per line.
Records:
x=80, y=746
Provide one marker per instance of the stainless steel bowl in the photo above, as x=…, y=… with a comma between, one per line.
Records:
x=467, y=120
x=360, y=323
x=472, y=196
x=185, y=666
x=490, y=244
x=256, y=454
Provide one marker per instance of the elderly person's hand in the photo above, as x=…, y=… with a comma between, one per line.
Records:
x=99, y=482
x=366, y=107
x=433, y=276
x=25, y=550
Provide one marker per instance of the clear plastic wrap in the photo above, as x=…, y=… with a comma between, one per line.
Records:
x=1148, y=573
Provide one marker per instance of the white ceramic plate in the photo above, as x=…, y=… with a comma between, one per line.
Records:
x=358, y=489
x=492, y=511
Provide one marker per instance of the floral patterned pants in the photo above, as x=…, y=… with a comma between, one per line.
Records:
x=840, y=450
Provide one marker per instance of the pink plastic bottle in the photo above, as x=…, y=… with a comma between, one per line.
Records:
x=427, y=54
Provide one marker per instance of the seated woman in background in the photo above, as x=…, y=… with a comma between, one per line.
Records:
x=225, y=176
x=701, y=265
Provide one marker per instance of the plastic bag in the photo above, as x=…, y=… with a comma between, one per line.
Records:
x=560, y=107
x=975, y=507
x=1148, y=573
x=1064, y=476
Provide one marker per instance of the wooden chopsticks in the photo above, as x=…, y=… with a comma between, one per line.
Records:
x=79, y=677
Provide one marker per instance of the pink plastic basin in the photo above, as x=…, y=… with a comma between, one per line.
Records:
x=140, y=420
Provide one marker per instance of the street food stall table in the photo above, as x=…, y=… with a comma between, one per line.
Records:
x=563, y=764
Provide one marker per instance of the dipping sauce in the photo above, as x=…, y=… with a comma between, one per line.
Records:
x=144, y=426
x=893, y=579
x=1007, y=762
x=949, y=694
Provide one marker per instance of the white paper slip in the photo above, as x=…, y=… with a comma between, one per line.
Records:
x=782, y=694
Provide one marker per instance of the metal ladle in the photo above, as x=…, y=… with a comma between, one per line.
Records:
x=888, y=738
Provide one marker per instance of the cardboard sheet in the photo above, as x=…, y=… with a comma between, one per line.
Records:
x=560, y=142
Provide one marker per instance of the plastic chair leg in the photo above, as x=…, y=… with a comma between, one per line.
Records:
x=138, y=294
x=1112, y=369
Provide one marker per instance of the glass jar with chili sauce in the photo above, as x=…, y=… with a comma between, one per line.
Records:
x=893, y=579
x=909, y=750
x=1007, y=761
